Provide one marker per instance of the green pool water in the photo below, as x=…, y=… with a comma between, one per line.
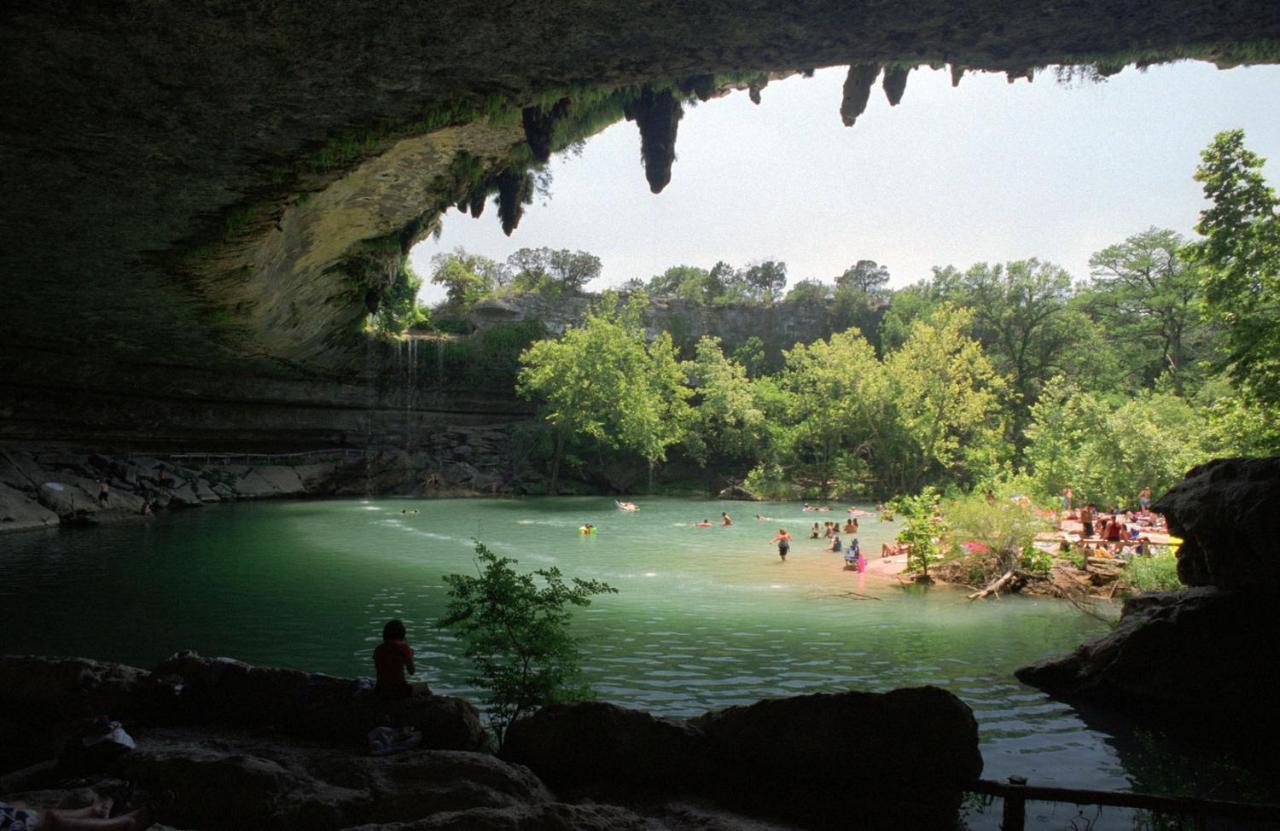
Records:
x=704, y=617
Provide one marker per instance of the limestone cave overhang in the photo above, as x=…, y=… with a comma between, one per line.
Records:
x=199, y=192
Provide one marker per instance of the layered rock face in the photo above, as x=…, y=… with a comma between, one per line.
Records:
x=1206, y=656
x=238, y=746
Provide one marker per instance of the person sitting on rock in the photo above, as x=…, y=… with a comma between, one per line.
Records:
x=97, y=817
x=392, y=659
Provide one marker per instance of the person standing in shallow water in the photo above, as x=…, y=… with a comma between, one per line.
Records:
x=393, y=661
x=783, y=539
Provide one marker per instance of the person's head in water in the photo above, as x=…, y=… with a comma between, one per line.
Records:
x=393, y=630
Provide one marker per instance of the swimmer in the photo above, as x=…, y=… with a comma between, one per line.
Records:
x=727, y=521
x=587, y=529
x=783, y=539
x=760, y=518
x=706, y=523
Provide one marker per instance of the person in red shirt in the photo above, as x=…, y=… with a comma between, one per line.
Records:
x=392, y=659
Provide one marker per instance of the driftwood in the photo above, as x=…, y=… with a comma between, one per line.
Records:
x=857, y=595
x=1009, y=580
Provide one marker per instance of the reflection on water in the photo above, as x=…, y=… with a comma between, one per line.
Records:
x=705, y=617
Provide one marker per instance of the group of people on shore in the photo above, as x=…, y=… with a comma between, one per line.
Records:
x=1113, y=531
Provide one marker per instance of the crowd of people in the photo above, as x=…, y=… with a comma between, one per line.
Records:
x=1117, y=532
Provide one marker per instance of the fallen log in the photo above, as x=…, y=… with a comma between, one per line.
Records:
x=1006, y=580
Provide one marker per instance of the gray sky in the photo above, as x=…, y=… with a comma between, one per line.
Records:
x=985, y=172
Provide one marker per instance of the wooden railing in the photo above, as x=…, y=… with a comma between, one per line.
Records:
x=1016, y=793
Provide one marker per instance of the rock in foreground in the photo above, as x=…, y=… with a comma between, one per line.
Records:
x=1204, y=658
x=796, y=759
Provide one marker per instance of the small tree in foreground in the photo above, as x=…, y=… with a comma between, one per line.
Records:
x=923, y=529
x=515, y=628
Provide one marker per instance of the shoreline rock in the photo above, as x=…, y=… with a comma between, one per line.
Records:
x=1202, y=659
x=240, y=746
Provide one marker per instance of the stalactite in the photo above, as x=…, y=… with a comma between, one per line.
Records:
x=658, y=117
x=857, y=91
x=895, y=83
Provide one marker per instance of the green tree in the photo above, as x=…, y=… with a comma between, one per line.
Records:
x=1241, y=255
x=861, y=294
x=553, y=272
x=685, y=282
x=1148, y=297
x=1107, y=451
x=728, y=425
x=765, y=280
x=467, y=278
x=515, y=629
x=923, y=529
x=809, y=291
x=1022, y=319
x=836, y=388
x=947, y=398
x=603, y=381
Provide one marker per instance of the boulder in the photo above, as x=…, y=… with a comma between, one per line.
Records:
x=67, y=500
x=283, y=478
x=252, y=485
x=42, y=701
x=792, y=758
x=317, y=478
x=597, y=746
x=190, y=689
x=1203, y=656
x=814, y=759
x=223, y=779
x=18, y=512
x=1225, y=512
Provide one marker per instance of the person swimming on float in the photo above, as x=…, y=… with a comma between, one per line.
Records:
x=706, y=523
x=587, y=530
x=629, y=507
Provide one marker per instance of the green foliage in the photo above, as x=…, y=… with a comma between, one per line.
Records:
x=1107, y=451
x=923, y=528
x=1155, y=573
x=1147, y=296
x=1006, y=526
x=809, y=291
x=834, y=391
x=728, y=422
x=946, y=396
x=467, y=278
x=603, y=381
x=1241, y=255
x=398, y=310
x=515, y=630
x=552, y=272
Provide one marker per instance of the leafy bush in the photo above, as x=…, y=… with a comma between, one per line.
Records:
x=515, y=628
x=923, y=528
x=1156, y=573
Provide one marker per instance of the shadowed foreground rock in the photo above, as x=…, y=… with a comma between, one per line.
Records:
x=794, y=758
x=1203, y=658
x=238, y=746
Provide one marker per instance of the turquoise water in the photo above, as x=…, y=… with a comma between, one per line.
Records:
x=704, y=617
